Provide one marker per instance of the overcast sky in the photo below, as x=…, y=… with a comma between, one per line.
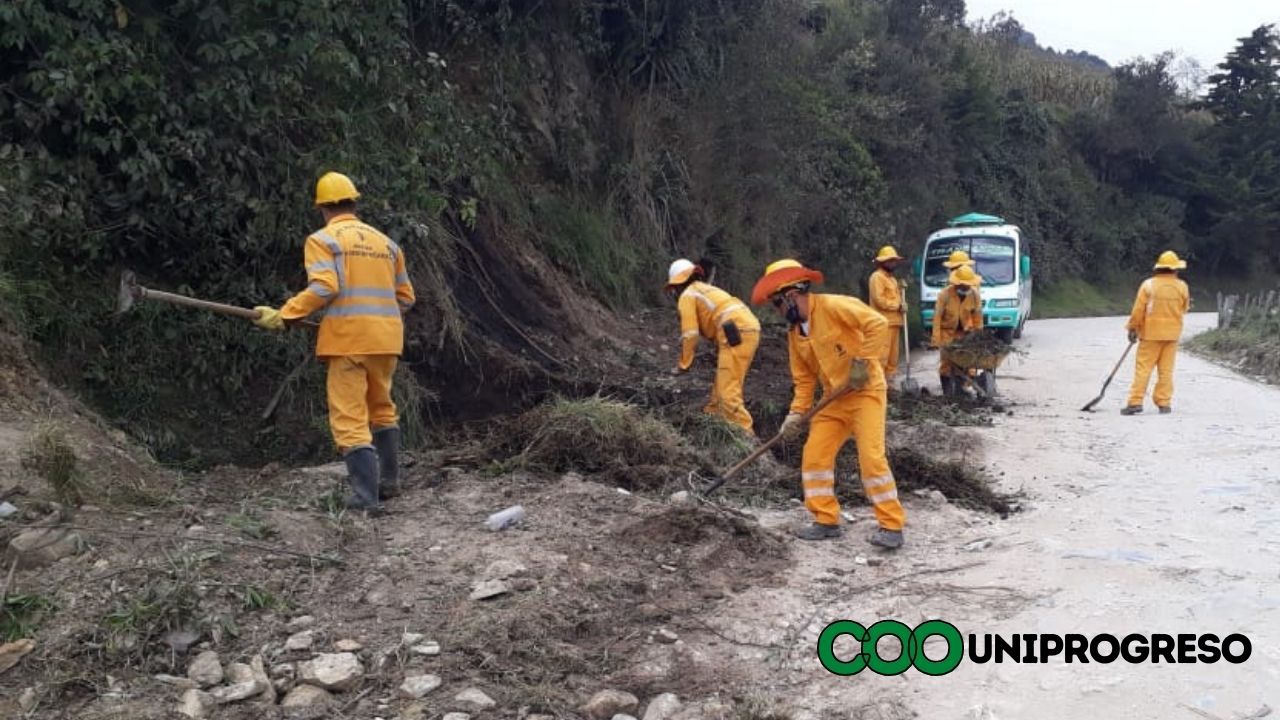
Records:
x=1119, y=30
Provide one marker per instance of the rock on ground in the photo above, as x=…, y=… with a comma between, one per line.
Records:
x=302, y=622
x=195, y=703
x=456, y=716
x=490, y=589
x=39, y=547
x=300, y=641
x=306, y=696
x=475, y=699
x=416, y=686
x=332, y=671
x=607, y=703
x=662, y=707
x=426, y=649
x=205, y=669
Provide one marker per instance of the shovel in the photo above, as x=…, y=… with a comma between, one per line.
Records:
x=909, y=386
x=1095, y=401
x=732, y=472
x=130, y=292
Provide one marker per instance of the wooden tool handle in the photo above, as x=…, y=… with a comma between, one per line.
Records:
x=245, y=313
x=817, y=408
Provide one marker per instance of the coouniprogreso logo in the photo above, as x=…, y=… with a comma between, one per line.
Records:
x=1105, y=648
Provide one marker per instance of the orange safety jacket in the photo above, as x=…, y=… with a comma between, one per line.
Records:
x=357, y=276
x=886, y=296
x=955, y=317
x=1158, y=310
x=704, y=309
x=841, y=329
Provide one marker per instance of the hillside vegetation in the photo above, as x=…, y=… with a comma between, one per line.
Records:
x=542, y=162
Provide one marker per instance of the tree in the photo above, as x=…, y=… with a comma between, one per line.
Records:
x=1239, y=207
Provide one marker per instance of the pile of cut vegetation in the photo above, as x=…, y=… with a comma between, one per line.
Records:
x=595, y=435
x=955, y=412
x=961, y=484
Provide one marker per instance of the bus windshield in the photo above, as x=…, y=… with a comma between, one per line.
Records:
x=994, y=259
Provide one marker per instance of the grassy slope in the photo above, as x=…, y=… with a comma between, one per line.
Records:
x=1076, y=298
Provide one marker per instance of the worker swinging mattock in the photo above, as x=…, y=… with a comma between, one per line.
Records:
x=357, y=276
x=837, y=341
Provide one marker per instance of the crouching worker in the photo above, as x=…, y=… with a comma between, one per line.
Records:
x=836, y=340
x=357, y=276
x=957, y=314
x=709, y=312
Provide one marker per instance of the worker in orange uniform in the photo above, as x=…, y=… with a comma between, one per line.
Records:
x=889, y=299
x=835, y=340
x=357, y=276
x=709, y=312
x=1156, y=325
x=957, y=313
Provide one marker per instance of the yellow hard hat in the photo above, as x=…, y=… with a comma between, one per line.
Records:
x=1169, y=260
x=335, y=187
x=964, y=275
x=680, y=272
x=888, y=253
x=780, y=275
x=958, y=258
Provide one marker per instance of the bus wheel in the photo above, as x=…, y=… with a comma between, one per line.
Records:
x=1005, y=334
x=1017, y=333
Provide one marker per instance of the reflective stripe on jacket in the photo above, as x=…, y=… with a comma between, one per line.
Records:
x=357, y=276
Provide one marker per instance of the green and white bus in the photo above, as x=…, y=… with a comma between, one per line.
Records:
x=999, y=252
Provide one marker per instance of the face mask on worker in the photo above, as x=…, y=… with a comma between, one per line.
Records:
x=962, y=291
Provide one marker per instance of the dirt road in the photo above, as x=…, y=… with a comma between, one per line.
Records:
x=1150, y=524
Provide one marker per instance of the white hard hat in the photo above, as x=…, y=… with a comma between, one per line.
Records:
x=680, y=272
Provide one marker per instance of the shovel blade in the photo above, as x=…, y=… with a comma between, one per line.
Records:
x=910, y=387
x=1089, y=407
x=127, y=293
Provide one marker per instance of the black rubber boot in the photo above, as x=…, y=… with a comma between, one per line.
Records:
x=362, y=474
x=818, y=531
x=888, y=539
x=1131, y=410
x=1165, y=409
x=387, y=442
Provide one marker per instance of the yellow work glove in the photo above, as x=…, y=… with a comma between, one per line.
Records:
x=859, y=374
x=1133, y=336
x=269, y=318
x=791, y=426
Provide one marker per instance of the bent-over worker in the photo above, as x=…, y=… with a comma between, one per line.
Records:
x=358, y=277
x=709, y=312
x=957, y=313
x=835, y=340
x=1156, y=325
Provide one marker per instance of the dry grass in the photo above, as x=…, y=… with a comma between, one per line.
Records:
x=51, y=456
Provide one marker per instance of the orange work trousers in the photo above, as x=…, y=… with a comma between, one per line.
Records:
x=732, y=364
x=1159, y=356
x=359, y=388
x=861, y=417
x=889, y=358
